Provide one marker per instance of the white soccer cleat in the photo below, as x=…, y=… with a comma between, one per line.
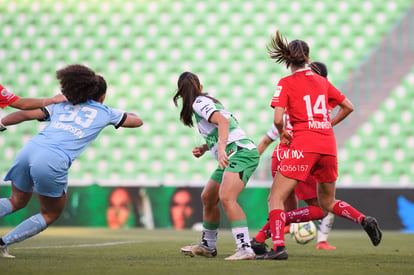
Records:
x=242, y=254
x=199, y=250
x=4, y=253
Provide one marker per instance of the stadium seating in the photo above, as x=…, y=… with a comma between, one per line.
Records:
x=384, y=144
x=141, y=47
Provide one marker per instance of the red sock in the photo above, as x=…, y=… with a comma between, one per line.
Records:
x=277, y=219
x=287, y=229
x=304, y=214
x=264, y=233
x=346, y=211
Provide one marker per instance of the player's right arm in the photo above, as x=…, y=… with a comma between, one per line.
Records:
x=132, y=121
x=199, y=150
x=267, y=139
x=285, y=137
x=264, y=143
x=20, y=116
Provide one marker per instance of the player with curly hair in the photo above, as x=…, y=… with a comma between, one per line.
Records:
x=42, y=165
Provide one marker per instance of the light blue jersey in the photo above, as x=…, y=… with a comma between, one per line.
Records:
x=43, y=162
x=73, y=127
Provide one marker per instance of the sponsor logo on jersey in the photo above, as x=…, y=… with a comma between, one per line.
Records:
x=278, y=91
x=288, y=153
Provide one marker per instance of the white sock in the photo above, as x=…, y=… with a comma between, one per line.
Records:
x=325, y=226
x=5, y=207
x=242, y=238
x=26, y=229
x=209, y=237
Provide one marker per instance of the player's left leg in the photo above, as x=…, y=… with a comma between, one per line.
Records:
x=327, y=200
x=230, y=188
x=325, y=226
x=211, y=220
x=281, y=189
x=18, y=200
x=51, y=208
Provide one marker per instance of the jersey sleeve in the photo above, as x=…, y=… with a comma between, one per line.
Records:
x=272, y=133
x=204, y=107
x=280, y=96
x=47, y=111
x=335, y=97
x=6, y=97
x=117, y=117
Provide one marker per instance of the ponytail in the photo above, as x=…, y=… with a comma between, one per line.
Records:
x=294, y=53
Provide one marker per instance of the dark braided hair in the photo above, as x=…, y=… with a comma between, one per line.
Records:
x=319, y=68
x=295, y=53
x=79, y=83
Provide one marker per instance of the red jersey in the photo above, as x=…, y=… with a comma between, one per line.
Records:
x=6, y=97
x=307, y=98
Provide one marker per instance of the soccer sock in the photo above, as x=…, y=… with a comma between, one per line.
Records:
x=325, y=226
x=28, y=228
x=264, y=233
x=277, y=220
x=241, y=234
x=345, y=210
x=210, y=232
x=6, y=207
x=304, y=214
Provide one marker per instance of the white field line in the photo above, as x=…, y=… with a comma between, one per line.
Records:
x=79, y=245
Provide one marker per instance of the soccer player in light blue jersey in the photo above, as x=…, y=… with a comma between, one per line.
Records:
x=43, y=163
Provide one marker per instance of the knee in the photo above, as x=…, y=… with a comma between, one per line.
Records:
x=327, y=206
x=50, y=217
x=227, y=199
x=18, y=204
x=208, y=200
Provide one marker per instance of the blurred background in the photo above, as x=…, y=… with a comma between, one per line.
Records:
x=141, y=47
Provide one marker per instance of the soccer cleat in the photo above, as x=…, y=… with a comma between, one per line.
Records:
x=274, y=255
x=199, y=250
x=325, y=246
x=371, y=226
x=242, y=254
x=4, y=253
x=258, y=247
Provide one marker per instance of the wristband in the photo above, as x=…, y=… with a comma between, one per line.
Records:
x=2, y=127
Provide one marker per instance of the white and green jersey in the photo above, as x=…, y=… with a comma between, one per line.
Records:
x=203, y=108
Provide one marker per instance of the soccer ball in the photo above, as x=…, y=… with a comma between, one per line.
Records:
x=303, y=232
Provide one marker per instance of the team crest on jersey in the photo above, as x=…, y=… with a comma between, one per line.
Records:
x=278, y=90
x=4, y=92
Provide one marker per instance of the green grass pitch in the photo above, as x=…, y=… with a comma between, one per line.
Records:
x=67, y=250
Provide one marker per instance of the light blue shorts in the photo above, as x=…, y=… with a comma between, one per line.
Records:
x=41, y=170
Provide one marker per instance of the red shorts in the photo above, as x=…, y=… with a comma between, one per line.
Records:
x=308, y=168
x=304, y=190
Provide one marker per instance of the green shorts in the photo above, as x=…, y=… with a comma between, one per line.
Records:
x=244, y=162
